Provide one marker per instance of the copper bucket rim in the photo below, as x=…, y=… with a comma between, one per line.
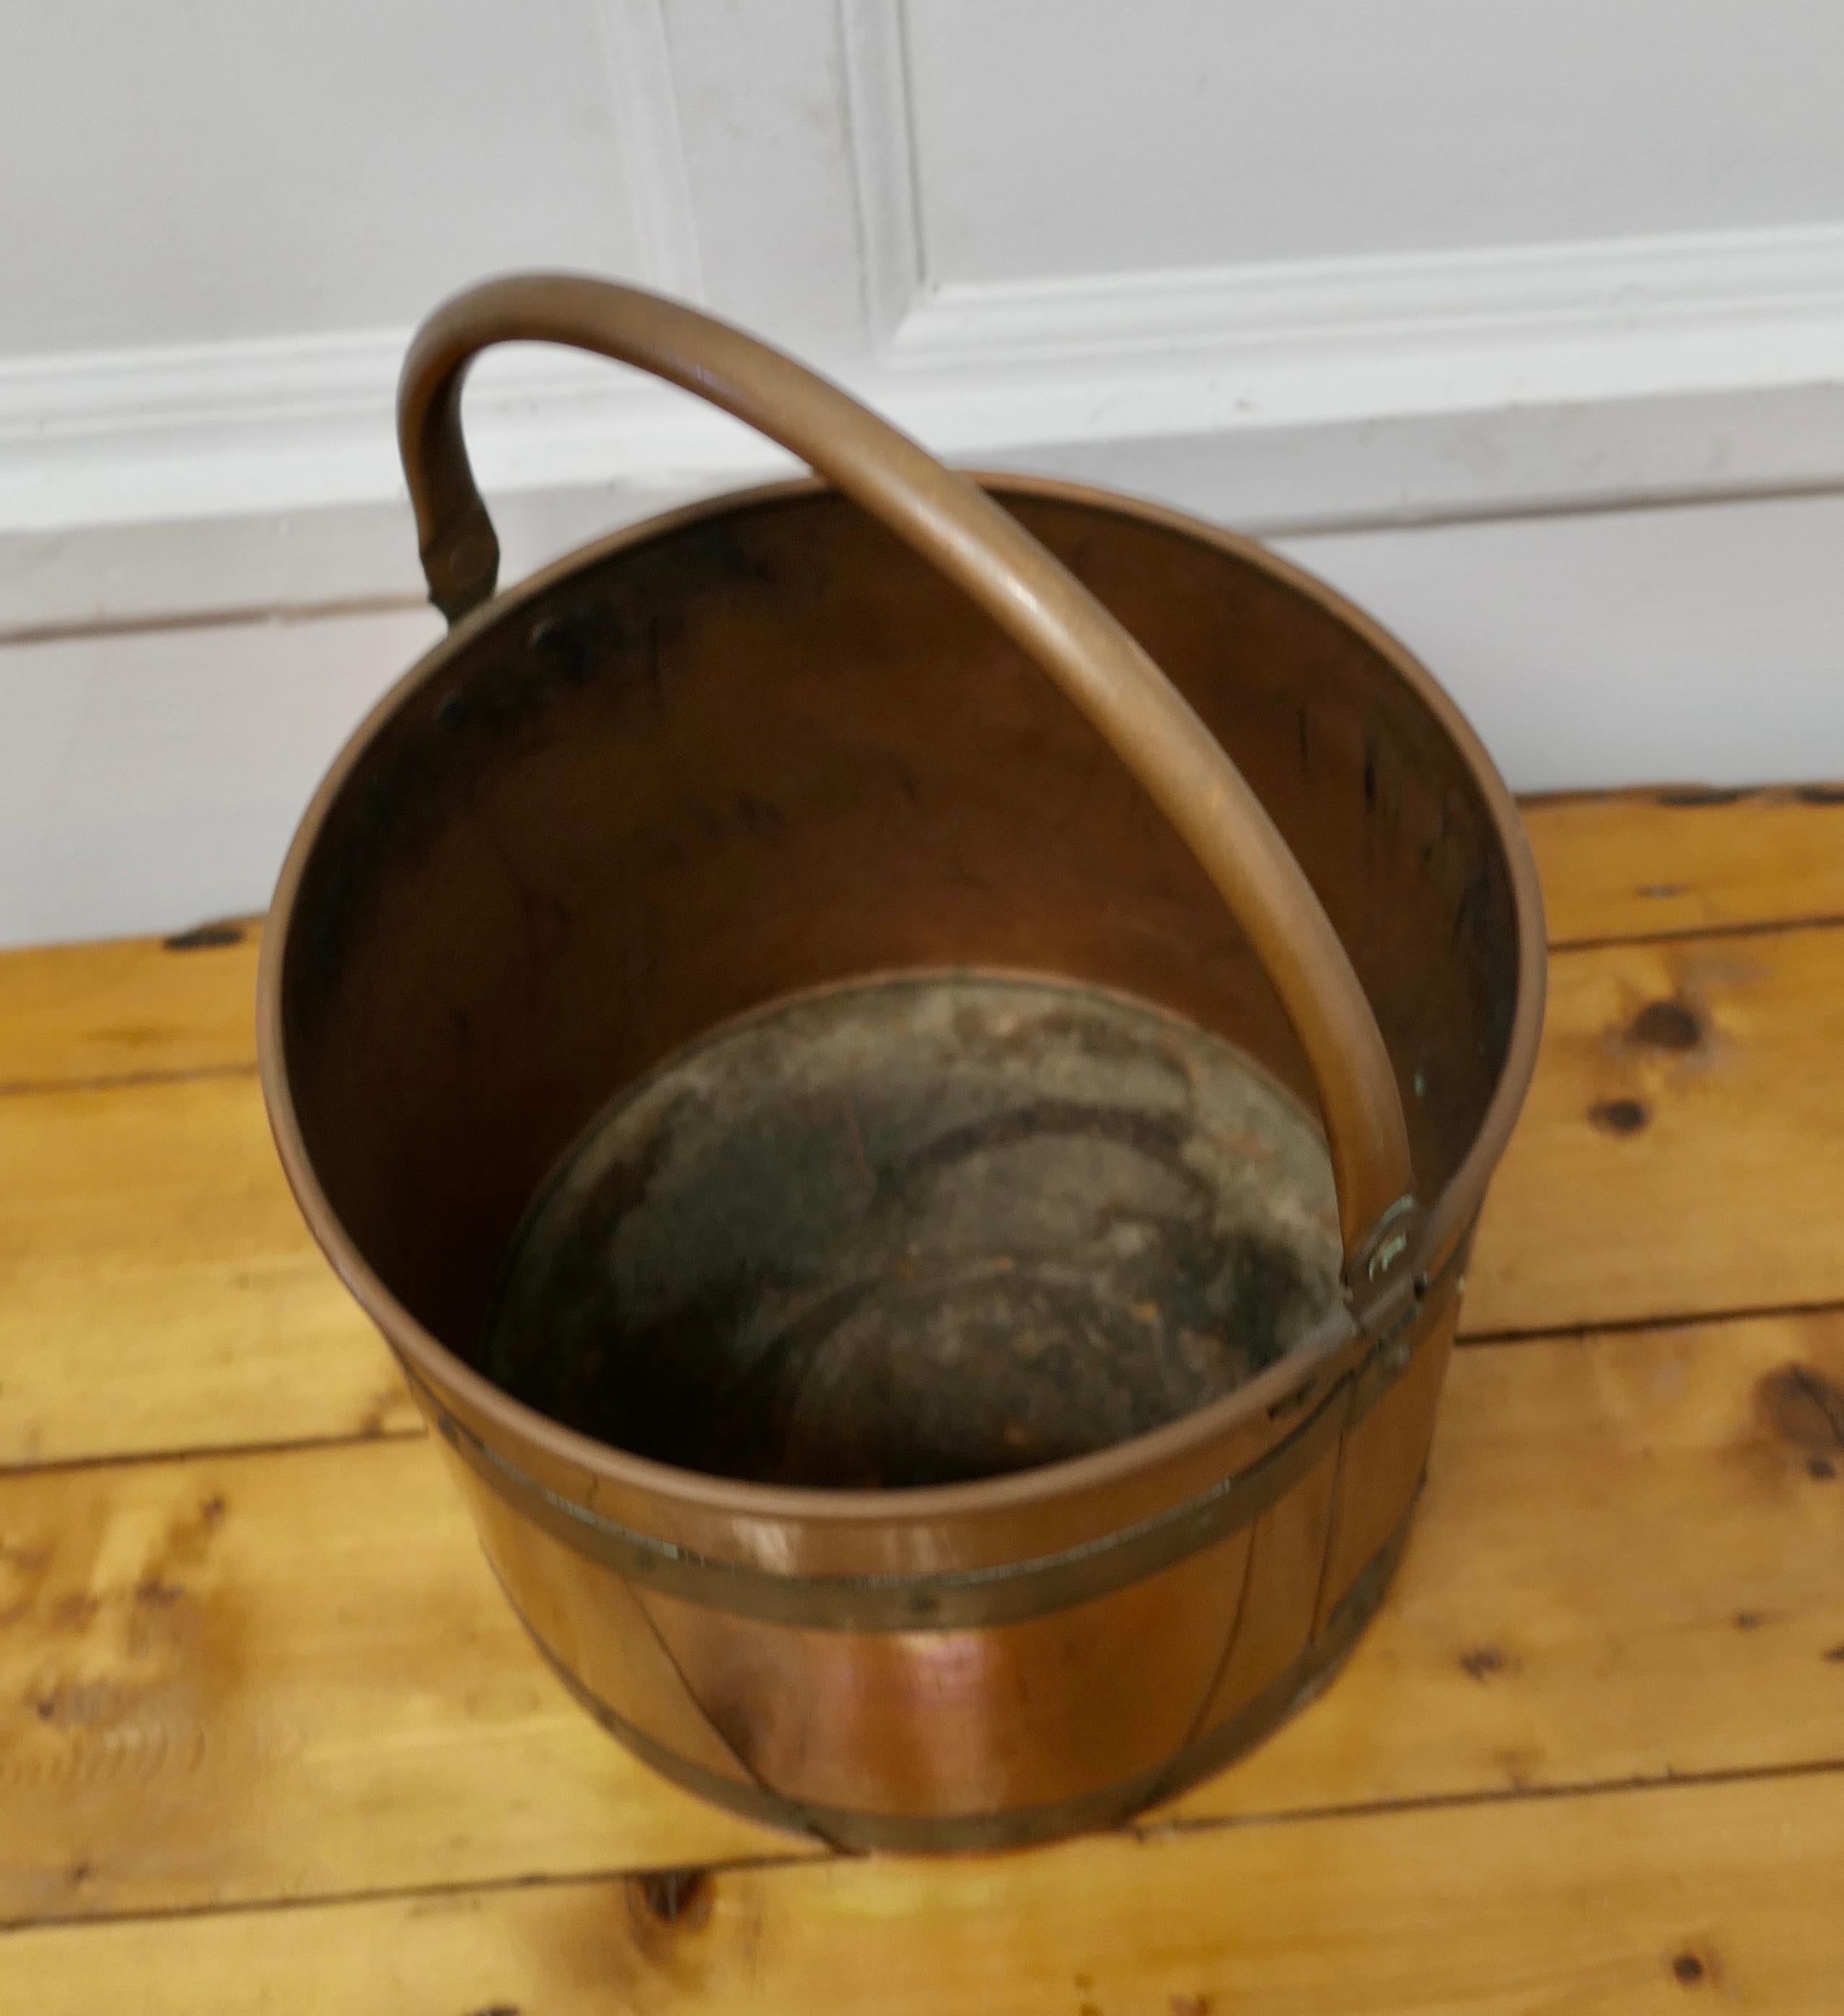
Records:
x=431, y=1363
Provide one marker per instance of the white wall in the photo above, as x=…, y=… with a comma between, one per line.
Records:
x=1526, y=324
x=1326, y=129
x=231, y=169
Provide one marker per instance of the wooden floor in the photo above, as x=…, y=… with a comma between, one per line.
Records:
x=270, y=1740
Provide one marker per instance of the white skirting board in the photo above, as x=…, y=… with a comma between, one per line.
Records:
x=152, y=769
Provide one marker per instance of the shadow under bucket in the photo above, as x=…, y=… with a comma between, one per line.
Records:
x=926, y=1209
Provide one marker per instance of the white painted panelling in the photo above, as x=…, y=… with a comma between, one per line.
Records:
x=651, y=146
x=262, y=563
x=220, y=429
x=1371, y=470
x=879, y=87
x=768, y=155
x=766, y=126
x=1702, y=644
x=1254, y=374
x=147, y=782
x=235, y=169
x=1062, y=137
x=177, y=484
x=1419, y=468
x=1386, y=279
x=1421, y=332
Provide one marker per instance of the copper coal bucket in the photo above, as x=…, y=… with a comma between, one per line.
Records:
x=924, y=857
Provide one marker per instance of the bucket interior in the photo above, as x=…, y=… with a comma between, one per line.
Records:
x=664, y=933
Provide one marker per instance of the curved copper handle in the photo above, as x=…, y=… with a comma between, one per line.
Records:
x=990, y=555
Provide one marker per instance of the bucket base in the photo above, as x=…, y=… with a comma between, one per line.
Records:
x=919, y=1231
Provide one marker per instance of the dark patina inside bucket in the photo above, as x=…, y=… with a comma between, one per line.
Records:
x=919, y=1231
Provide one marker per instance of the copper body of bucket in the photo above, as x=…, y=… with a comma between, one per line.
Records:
x=784, y=740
